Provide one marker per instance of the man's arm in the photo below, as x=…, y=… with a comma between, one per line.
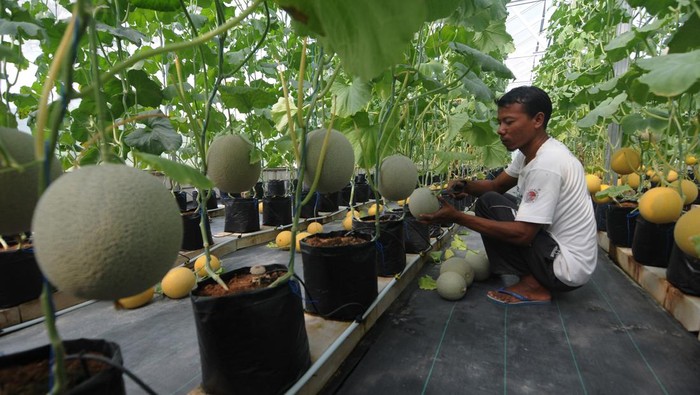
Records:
x=515, y=232
x=501, y=184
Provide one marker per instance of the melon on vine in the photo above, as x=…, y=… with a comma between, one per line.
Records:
x=689, y=189
x=229, y=164
x=625, y=160
x=20, y=189
x=106, y=232
x=338, y=163
x=687, y=232
x=398, y=177
x=660, y=205
x=422, y=201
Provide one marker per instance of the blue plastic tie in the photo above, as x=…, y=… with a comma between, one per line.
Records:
x=630, y=234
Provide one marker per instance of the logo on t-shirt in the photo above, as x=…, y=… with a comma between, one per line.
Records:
x=530, y=196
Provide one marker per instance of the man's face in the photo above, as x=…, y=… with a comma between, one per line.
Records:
x=515, y=127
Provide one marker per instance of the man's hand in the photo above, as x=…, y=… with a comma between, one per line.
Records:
x=457, y=189
x=446, y=213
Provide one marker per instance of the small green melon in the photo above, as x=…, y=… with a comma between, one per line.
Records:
x=458, y=265
x=228, y=164
x=451, y=286
x=422, y=201
x=106, y=232
x=19, y=189
x=398, y=177
x=338, y=163
x=479, y=262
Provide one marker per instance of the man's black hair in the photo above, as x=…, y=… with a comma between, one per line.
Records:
x=532, y=98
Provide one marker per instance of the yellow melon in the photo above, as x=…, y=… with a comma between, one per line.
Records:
x=178, y=282
x=314, y=227
x=593, y=183
x=106, y=232
x=136, y=301
x=374, y=208
x=19, y=189
x=633, y=180
x=687, y=232
x=660, y=205
x=691, y=160
x=689, y=189
x=301, y=236
x=602, y=200
x=284, y=239
x=200, y=265
x=625, y=160
x=347, y=223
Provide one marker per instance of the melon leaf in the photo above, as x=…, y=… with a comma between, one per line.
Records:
x=427, y=283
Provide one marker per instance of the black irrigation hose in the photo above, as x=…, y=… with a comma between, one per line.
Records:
x=83, y=357
x=357, y=319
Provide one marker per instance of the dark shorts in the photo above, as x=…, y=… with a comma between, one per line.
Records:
x=536, y=259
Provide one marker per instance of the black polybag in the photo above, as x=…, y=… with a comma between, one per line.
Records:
x=277, y=210
x=241, y=215
x=652, y=243
x=391, y=249
x=683, y=271
x=340, y=282
x=253, y=342
x=108, y=381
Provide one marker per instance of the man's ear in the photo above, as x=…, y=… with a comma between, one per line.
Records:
x=538, y=119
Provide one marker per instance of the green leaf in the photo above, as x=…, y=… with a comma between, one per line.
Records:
x=655, y=7
x=494, y=38
x=671, y=75
x=148, y=92
x=687, y=36
x=245, y=98
x=438, y=9
x=11, y=28
x=7, y=119
x=480, y=134
x=427, y=283
x=618, y=47
x=475, y=85
x=484, y=61
x=605, y=109
x=633, y=122
x=351, y=98
x=179, y=172
x=279, y=112
x=131, y=35
x=368, y=35
x=157, y=137
x=157, y=5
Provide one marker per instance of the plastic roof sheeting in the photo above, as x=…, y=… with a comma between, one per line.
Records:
x=526, y=23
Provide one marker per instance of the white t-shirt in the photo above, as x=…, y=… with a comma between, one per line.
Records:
x=554, y=194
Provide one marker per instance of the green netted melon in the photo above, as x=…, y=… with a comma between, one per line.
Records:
x=19, y=189
x=398, y=177
x=480, y=263
x=338, y=163
x=106, y=232
x=422, y=201
x=228, y=164
x=451, y=286
x=458, y=265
